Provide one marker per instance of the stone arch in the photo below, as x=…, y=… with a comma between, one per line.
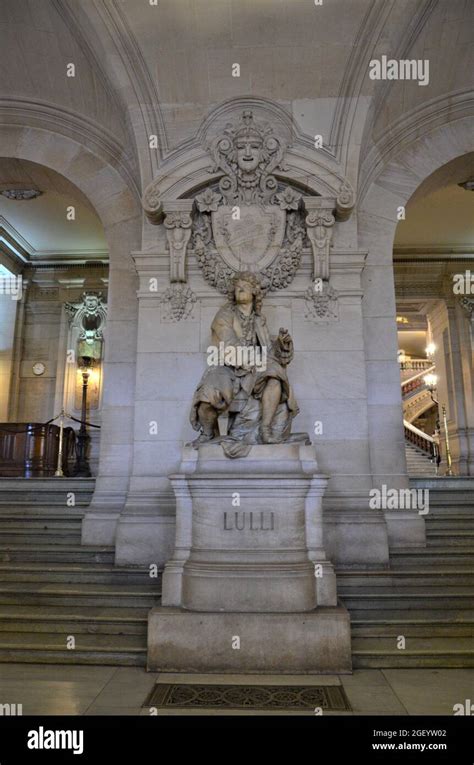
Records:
x=116, y=202
x=315, y=169
x=401, y=166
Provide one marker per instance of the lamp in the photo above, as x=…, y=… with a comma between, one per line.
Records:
x=82, y=467
x=430, y=350
x=431, y=381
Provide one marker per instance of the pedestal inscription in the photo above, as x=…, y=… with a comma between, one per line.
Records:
x=249, y=521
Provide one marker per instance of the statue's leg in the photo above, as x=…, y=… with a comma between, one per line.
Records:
x=271, y=398
x=208, y=420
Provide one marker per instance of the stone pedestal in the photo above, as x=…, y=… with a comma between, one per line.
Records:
x=249, y=562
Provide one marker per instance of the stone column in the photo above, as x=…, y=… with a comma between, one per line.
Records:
x=116, y=441
x=384, y=403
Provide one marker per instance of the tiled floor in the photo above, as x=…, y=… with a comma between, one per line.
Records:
x=80, y=690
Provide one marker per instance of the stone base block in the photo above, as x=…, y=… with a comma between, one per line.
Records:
x=142, y=540
x=99, y=528
x=405, y=528
x=276, y=643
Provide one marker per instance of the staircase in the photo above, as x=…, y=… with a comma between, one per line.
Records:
x=427, y=597
x=53, y=589
x=418, y=462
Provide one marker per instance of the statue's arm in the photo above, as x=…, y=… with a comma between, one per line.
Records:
x=223, y=329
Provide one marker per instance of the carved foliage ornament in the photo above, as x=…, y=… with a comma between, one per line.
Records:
x=178, y=302
x=321, y=302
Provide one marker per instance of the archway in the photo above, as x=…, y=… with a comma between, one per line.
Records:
x=403, y=167
x=118, y=208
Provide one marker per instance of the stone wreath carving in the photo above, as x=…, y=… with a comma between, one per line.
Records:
x=248, y=221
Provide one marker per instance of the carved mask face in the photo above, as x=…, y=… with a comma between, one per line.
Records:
x=243, y=293
x=91, y=303
x=248, y=153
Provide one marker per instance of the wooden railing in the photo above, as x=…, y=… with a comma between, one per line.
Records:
x=30, y=449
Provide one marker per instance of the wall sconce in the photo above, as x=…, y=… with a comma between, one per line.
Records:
x=430, y=350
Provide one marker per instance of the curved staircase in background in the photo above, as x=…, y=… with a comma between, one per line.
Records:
x=420, y=448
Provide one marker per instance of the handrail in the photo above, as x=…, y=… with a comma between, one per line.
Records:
x=419, y=374
x=415, y=364
x=417, y=431
x=422, y=441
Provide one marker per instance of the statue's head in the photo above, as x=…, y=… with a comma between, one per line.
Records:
x=244, y=288
x=248, y=151
x=91, y=303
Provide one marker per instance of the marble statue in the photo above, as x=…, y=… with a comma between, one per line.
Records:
x=246, y=376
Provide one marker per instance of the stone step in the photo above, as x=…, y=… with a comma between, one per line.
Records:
x=99, y=573
x=443, y=524
x=115, y=657
x=401, y=616
x=39, y=525
x=45, y=491
x=382, y=659
x=441, y=556
x=450, y=537
x=37, y=511
x=446, y=644
x=56, y=553
x=40, y=537
x=431, y=586
x=397, y=579
x=56, y=641
x=427, y=629
x=85, y=594
x=80, y=614
x=390, y=600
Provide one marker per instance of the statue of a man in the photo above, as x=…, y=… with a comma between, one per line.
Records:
x=247, y=375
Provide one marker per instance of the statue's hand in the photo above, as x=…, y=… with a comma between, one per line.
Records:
x=284, y=338
x=284, y=346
